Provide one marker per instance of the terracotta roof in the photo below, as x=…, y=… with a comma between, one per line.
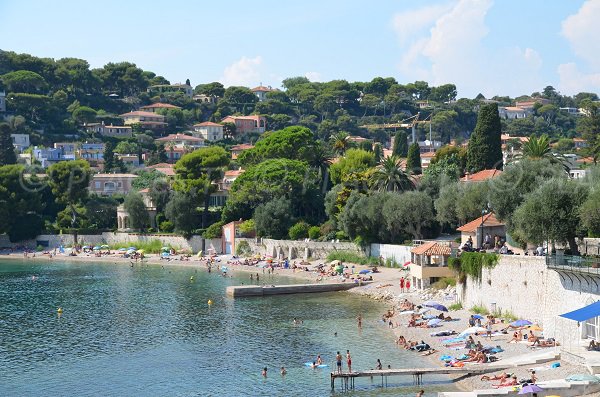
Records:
x=145, y=190
x=262, y=88
x=481, y=176
x=233, y=172
x=489, y=220
x=161, y=165
x=208, y=124
x=432, y=248
x=142, y=113
x=585, y=160
x=428, y=154
x=506, y=137
x=356, y=139
x=160, y=105
x=242, y=146
x=256, y=117
x=176, y=137
x=578, y=140
x=514, y=109
x=114, y=176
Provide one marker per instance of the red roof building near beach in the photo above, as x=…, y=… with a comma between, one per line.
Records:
x=488, y=220
x=431, y=248
x=481, y=176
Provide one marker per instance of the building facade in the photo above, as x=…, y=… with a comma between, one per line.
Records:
x=247, y=124
x=209, y=131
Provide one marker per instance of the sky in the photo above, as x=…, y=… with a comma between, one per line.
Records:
x=493, y=47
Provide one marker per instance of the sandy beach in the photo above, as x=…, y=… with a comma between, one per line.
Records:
x=384, y=288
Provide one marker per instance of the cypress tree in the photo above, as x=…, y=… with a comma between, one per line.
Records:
x=7, y=150
x=109, y=157
x=400, y=147
x=413, y=159
x=485, y=145
x=378, y=150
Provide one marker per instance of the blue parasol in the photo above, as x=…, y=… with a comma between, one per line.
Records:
x=364, y=271
x=521, y=323
x=530, y=389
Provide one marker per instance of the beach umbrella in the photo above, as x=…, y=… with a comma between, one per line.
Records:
x=472, y=330
x=530, y=389
x=165, y=254
x=364, y=271
x=336, y=262
x=199, y=254
x=131, y=248
x=104, y=246
x=434, y=321
x=478, y=316
x=535, y=327
x=521, y=323
x=430, y=303
x=439, y=307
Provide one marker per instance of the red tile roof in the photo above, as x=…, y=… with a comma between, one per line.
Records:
x=242, y=146
x=177, y=137
x=432, y=248
x=262, y=88
x=489, y=220
x=481, y=176
x=160, y=105
x=208, y=124
x=161, y=165
x=233, y=172
x=142, y=113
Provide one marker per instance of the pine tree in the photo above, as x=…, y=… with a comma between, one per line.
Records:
x=400, y=147
x=413, y=159
x=109, y=157
x=485, y=145
x=7, y=150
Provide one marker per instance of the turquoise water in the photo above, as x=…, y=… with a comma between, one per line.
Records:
x=148, y=331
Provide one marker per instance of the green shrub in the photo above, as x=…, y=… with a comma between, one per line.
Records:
x=507, y=315
x=39, y=248
x=299, y=230
x=340, y=235
x=455, y=306
x=214, y=230
x=242, y=248
x=167, y=226
x=149, y=247
x=314, y=232
x=480, y=310
x=471, y=264
x=247, y=228
x=352, y=257
x=443, y=283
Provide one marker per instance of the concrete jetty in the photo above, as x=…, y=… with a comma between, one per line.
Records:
x=238, y=291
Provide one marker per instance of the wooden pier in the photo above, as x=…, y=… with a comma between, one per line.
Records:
x=347, y=378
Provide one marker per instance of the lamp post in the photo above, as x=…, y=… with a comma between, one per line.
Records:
x=483, y=212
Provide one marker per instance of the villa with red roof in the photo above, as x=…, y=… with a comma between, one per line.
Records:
x=155, y=107
x=181, y=140
x=247, y=124
x=481, y=176
x=261, y=92
x=478, y=228
x=238, y=149
x=209, y=131
x=148, y=120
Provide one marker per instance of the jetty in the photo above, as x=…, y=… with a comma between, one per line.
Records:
x=238, y=291
x=347, y=378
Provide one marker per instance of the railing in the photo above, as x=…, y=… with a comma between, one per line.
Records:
x=580, y=264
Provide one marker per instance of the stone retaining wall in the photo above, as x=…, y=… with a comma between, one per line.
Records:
x=297, y=249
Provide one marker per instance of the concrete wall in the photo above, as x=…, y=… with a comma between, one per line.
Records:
x=524, y=286
x=296, y=249
x=194, y=244
x=398, y=253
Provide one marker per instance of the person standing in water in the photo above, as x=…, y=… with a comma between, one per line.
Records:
x=283, y=371
x=359, y=320
x=349, y=360
x=264, y=372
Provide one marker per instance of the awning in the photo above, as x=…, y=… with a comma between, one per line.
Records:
x=585, y=313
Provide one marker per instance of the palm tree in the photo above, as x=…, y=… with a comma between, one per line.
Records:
x=390, y=177
x=539, y=148
x=320, y=159
x=340, y=142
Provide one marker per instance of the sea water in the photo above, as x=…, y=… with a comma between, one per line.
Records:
x=149, y=331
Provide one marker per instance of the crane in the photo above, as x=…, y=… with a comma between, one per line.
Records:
x=410, y=122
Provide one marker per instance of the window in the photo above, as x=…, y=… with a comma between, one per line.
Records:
x=97, y=185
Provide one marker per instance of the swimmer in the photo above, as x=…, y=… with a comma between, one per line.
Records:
x=335, y=334
x=283, y=371
x=319, y=359
x=264, y=372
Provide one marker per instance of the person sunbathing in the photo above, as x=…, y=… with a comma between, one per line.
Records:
x=507, y=382
x=501, y=377
x=531, y=337
x=515, y=338
x=594, y=346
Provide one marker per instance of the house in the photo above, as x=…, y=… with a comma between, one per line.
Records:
x=2, y=101
x=247, y=124
x=571, y=111
x=109, y=184
x=231, y=232
x=478, y=228
x=174, y=153
x=147, y=120
x=92, y=152
x=164, y=168
x=20, y=141
x=261, y=92
x=236, y=150
x=506, y=138
x=132, y=160
x=116, y=131
x=209, y=131
x=155, y=107
x=424, y=105
x=529, y=104
x=47, y=157
x=426, y=159
x=219, y=197
x=429, y=146
x=481, y=176
x=160, y=88
x=123, y=223
x=203, y=98
x=579, y=143
x=181, y=140
x=513, y=112
x=577, y=173
x=66, y=147
x=430, y=263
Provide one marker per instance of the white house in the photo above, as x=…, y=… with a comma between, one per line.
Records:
x=20, y=141
x=513, y=112
x=209, y=131
x=261, y=92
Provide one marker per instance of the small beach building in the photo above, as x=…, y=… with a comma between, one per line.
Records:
x=478, y=228
x=430, y=263
x=231, y=231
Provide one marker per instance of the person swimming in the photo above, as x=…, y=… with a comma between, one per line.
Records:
x=264, y=372
x=283, y=371
x=319, y=359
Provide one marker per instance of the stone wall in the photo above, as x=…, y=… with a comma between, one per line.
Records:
x=398, y=253
x=52, y=241
x=590, y=246
x=524, y=286
x=296, y=249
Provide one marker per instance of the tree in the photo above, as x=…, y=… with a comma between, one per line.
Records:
x=354, y=161
x=589, y=213
x=69, y=181
x=84, y=114
x=126, y=147
x=485, y=146
x=24, y=81
x=214, y=89
x=389, y=176
x=413, y=159
x=101, y=212
x=109, y=157
x=551, y=213
x=400, y=147
x=410, y=212
x=378, y=151
x=182, y=211
x=274, y=218
x=340, y=142
x=294, y=143
x=7, y=150
x=136, y=208
x=160, y=193
x=362, y=218
x=299, y=231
